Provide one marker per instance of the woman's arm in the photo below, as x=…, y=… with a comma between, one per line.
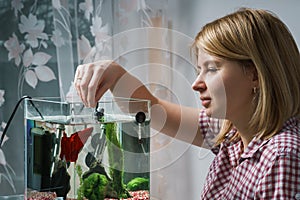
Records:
x=171, y=119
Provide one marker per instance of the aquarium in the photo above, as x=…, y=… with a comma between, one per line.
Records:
x=76, y=152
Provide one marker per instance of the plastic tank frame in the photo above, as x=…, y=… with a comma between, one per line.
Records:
x=75, y=152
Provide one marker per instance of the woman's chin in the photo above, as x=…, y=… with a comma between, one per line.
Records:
x=208, y=112
x=219, y=114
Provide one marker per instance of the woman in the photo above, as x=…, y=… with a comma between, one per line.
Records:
x=249, y=85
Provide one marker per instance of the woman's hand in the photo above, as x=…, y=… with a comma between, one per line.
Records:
x=92, y=80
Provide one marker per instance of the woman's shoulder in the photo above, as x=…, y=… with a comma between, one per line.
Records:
x=287, y=141
x=290, y=132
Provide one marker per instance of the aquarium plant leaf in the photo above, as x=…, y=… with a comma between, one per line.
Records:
x=94, y=187
x=60, y=180
x=138, y=183
x=116, y=160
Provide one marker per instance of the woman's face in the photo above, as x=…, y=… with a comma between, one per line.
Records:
x=226, y=89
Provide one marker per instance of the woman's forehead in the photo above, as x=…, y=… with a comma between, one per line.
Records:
x=204, y=57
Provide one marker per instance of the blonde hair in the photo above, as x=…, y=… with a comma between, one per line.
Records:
x=259, y=37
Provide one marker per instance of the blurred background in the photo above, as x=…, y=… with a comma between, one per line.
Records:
x=42, y=42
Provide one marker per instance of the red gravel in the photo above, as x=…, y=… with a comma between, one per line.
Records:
x=137, y=195
x=34, y=195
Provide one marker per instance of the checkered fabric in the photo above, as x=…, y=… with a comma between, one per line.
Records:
x=267, y=169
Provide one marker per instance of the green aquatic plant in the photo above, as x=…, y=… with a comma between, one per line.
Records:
x=116, y=160
x=138, y=183
x=94, y=187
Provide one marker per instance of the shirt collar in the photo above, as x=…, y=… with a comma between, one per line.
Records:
x=235, y=153
x=256, y=143
x=253, y=147
x=234, y=148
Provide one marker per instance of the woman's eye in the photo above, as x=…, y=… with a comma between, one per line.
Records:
x=212, y=69
x=206, y=69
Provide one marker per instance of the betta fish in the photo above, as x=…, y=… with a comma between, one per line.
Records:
x=71, y=146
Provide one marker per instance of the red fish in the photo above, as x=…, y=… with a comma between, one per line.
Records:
x=71, y=146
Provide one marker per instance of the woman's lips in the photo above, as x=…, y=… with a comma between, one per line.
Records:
x=205, y=101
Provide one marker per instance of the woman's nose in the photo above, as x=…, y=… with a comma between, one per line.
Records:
x=199, y=85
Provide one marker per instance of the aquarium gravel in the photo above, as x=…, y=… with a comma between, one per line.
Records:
x=137, y=195
x=34, y=195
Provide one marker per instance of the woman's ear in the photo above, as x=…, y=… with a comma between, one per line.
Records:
x=251, y=74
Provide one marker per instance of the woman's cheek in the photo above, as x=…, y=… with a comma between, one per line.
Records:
x=216, y=88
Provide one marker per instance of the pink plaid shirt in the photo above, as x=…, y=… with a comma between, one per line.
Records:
x=267, y=169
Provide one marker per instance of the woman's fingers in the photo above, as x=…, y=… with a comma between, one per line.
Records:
x=83, y=76
x=91, y=83
x=95, y=82
x=77, y=80
x=84, y=84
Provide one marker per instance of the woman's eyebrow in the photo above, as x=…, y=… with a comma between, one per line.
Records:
x=208, y=62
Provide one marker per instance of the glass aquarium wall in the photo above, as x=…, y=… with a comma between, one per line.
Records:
x=75, y=152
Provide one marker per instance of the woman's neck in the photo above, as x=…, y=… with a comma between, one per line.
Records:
x=242, y=126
